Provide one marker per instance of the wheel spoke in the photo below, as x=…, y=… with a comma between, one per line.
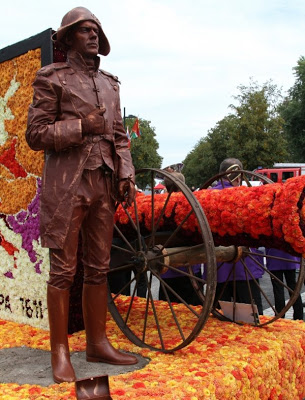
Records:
x=221, y=293
x=126, y=241
x=145, y=318
x=272, y=275
x=177, y=295
x=122, y=249
x=252, y=302
x=150, y=298
x=138, y=226
x=121, y=290
x=152, y=183
x=184, y=273
x=151, y=241
x=176, y=231
x=131, y=302
x=131, y=220
x=172, y=311
x=121, y=268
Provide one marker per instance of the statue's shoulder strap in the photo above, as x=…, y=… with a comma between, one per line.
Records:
x=109, y=75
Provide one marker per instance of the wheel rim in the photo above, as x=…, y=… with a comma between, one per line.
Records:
x=291, y=295
x=174, y=325
x=247, y=178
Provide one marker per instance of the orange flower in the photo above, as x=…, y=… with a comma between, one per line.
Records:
x=239, y=215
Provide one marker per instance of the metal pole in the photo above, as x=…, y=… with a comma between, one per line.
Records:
x=124, y=118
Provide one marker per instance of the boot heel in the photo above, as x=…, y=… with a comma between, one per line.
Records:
x=92, y=359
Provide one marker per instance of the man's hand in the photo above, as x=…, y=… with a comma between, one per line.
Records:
x=94, y=123
x=127, y=191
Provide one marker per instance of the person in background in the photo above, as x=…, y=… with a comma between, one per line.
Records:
x=75, y=119
x=284, y=269
x=226, y=290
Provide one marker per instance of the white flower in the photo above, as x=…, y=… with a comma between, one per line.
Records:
x=5, y=111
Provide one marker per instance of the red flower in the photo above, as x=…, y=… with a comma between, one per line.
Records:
x=118, y=392
x=237, y=374
x=248, y=370
x=200, y=373
x=8, y=159
x=35, y=390
x=138, y=385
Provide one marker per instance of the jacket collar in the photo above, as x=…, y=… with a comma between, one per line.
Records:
x=77, y=62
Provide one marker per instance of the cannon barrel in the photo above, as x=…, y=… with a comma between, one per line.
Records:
x=271, y=215
x=182, y=256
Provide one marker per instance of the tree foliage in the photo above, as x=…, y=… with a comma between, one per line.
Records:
x=293, y=112
x=144, y=149
x=199, y=164
x=258, y=138
x=253, y=133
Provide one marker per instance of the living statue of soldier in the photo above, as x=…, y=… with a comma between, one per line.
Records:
x=75, y=118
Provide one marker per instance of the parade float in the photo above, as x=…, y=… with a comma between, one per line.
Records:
x=202, y=357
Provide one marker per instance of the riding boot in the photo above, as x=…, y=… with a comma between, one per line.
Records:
x=99, y=348
x=58, y=310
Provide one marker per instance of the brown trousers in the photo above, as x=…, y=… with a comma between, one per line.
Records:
x=92, y=217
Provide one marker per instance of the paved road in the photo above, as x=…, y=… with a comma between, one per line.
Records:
x=267, y=287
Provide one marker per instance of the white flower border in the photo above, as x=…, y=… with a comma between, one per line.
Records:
x=23, y=298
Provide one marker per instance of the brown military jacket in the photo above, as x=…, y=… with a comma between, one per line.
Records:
x=63, y=94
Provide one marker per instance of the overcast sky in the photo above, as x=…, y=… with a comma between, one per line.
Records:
x=180, y=62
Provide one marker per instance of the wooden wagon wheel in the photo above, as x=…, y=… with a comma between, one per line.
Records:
x=139, y=255
x=255, y=257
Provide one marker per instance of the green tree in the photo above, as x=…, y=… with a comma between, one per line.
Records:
x=258, y=137
x=204, y=160
x=199, y=164
x=253, y=132
x=144, y=149
x=218, y=138
x=293, y=112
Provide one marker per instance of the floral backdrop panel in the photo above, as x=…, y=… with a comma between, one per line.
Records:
x=23, y=262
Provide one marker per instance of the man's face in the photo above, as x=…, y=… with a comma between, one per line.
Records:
x=84, y=39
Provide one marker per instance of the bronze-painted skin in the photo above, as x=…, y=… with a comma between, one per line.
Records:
x=75, y=118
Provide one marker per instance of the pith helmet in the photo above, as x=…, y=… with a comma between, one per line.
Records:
x=75, y=16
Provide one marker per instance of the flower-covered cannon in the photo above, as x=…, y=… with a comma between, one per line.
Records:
x=179, y=229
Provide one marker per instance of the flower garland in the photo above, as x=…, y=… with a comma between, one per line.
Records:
x=269, y=215
x=226, y=361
